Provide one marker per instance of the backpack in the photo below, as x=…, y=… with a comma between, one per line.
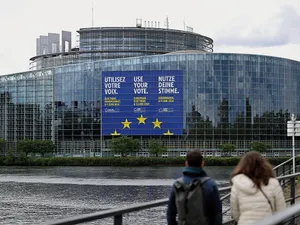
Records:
x=190, y=201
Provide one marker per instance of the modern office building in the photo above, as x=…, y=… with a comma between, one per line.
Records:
x=115, y=42
x=49, y=46
x=149, y=83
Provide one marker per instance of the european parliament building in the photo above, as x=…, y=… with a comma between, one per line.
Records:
x=148, y=82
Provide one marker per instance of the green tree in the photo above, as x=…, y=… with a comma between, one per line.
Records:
x=227, y=148
x=26, y=146
x=10, y=158
x=156, y=148
x=124, y=145
x=259, y=147
x=23, y=159
x=2, y=145
x=44, y=146
x=35, y=146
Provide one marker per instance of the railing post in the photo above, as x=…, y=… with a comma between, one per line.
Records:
x=282, y=174
x=118, y=220
x=293, y=190
x=293, y=194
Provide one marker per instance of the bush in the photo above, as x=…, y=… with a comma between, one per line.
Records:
x=259, y=147
x=23, y=159
x=156, y=147
x=126, y=161
x=42, y=147
x=10, y=158
x=124, y=145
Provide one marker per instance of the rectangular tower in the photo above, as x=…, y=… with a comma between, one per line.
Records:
x=53, y=43
x=66, y=41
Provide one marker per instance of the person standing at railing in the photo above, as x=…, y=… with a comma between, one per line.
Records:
x=194, y=197
x=255, y=192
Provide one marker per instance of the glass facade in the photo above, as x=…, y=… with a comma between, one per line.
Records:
x=77, y=107
x=122, y=42
x=43, y=62
x=131, y=41
x=26, y=110
x=236, y=98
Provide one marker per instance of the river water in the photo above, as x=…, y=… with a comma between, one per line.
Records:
x=35, y=195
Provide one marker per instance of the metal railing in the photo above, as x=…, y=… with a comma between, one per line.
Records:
x=289, y=216
x=118, y=213
x=288, y=186
x=286, y=168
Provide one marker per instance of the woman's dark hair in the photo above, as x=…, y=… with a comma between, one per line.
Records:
x=256, y=167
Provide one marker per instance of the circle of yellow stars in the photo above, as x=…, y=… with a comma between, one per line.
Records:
x=141, y=120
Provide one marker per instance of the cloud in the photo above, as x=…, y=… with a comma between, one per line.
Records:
x=289, y=51
x=279, y=30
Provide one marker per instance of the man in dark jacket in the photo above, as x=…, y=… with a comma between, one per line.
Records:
x=212, y=204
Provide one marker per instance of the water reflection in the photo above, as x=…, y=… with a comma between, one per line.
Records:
x=34, y=195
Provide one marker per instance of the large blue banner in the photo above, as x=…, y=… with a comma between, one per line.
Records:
x=142, y=102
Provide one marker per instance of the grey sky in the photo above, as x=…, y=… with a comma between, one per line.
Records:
x=268, y=27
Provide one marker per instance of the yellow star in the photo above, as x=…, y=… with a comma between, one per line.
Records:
x=168, y=133
x=141, y=119
x=156, y=123
x=126, y=124
x=115, y=133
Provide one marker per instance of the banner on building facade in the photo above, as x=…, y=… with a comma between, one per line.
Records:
x=142, y=102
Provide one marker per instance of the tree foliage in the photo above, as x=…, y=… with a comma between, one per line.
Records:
x=25, y=146
x=259, y=147
x=156, y=148
x=45, y=146
x=227, y=147
x=10, y=158
x=35, y=146
x=124, y=145
x=2, y=145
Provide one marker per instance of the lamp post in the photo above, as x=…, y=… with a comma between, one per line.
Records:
x=293, y=119
x=293, y=129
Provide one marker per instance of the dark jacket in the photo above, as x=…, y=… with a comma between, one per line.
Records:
x=213, y=205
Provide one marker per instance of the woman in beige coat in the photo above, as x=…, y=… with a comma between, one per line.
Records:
x=255, y=192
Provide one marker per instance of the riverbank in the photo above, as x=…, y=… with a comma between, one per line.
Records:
x=126, y=161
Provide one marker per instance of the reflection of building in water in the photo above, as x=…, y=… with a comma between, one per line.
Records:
x=237, y=98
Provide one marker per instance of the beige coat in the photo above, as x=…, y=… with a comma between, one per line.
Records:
x=249, y=205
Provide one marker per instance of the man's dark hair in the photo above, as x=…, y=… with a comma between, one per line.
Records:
x=194, y=158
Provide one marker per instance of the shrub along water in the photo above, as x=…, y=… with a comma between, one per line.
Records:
x=122, y=161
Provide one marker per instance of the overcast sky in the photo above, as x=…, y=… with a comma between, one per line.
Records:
x=267, y=27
